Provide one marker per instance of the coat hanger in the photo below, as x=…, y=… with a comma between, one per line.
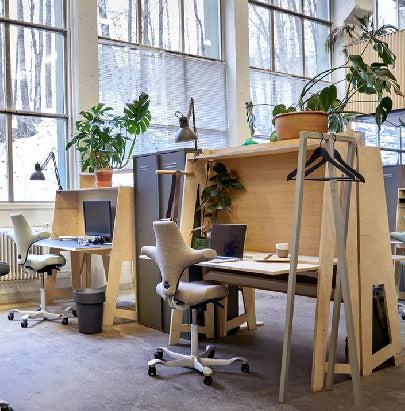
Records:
x=321, y=154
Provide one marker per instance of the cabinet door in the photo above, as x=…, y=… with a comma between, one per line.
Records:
x=146, y=191
x=174, y=160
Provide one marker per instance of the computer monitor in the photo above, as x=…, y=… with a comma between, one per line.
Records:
x=97, y=219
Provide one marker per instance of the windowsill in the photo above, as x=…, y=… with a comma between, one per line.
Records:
x=27, y=205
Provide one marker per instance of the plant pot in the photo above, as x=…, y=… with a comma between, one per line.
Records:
x=289, y=125
x=103, y=177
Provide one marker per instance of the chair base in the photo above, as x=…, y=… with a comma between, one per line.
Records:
x=201, y=362
x=41, y=313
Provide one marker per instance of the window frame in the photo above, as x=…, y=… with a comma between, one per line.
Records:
x=9, y=112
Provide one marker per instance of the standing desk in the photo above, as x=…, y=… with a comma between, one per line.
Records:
x=267, y=207
x=68, y=221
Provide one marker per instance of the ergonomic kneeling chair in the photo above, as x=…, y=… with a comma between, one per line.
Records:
x=24, y=238
x=173, y=256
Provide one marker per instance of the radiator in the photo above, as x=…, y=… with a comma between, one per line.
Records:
x=8, y=253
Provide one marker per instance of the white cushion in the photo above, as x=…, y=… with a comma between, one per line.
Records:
x=195, y=292
x=40, y=261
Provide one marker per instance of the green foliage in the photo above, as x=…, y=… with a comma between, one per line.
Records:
x=102, y=138
x=216, y=196
x=374, y=81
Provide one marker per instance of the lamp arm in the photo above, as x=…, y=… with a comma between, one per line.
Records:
x=51, y=155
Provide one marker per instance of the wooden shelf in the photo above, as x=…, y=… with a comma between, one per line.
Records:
x=254, y=150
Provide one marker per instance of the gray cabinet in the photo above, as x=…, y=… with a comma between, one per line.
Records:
x=151, y=195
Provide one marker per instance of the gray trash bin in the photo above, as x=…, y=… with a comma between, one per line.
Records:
x=89, y=306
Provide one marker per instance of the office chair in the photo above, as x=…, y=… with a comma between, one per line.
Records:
x=173, y=256
x=24, y=238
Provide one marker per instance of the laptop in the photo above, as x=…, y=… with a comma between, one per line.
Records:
x=228, y=240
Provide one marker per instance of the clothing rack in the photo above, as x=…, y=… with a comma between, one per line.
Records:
x=341, y=218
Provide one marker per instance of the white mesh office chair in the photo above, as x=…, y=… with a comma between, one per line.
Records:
x=24, y=238
x=173, y=256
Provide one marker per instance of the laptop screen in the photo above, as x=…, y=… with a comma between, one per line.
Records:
x=228, y=240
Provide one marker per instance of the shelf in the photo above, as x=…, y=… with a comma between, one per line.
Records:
x=254, y=150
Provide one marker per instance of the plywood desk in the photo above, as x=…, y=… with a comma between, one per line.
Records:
x=250, y=274
x=267, y=207
x=68, y=221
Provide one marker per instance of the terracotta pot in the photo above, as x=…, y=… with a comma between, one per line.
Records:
x=289, y=125
x=103, y=177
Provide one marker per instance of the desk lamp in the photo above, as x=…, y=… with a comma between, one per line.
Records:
x=39, y=175
x=185, y=133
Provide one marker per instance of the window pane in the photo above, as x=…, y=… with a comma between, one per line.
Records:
x=259, y=37
x=287, y=44
x=272, y=89
x=387, y=12
x=48, y=12
x=33, y=139
x=316, y=58
x=1, y=8
x=2, y=69
x=169, y=80
x=3, y=158
x=161, y=24
x=401, y=14
x=369, y=130
x=389, y=158
x=117, y=19
x=202, y=28
x=293, y=5
x=317, y=8
x=37, y=58
x=389, y=137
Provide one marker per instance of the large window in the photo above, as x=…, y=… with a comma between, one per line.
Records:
x=286, y=47
x=390, y=12
x=32, y=96
x=169, y=49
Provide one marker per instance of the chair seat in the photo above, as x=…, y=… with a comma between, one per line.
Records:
x=195, y=292
x=37, y=262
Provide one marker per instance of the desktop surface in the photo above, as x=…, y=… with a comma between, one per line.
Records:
x=71, y=245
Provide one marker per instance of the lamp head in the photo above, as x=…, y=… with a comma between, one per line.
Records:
x=37, y=174
x=185, y=133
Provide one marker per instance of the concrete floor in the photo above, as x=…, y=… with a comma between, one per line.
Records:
x=49, y=366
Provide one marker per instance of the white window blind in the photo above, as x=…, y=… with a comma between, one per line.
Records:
x=170, y=80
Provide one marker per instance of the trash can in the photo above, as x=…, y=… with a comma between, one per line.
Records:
x=89, y=307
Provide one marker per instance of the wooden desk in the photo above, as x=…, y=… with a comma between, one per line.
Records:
x=68, y=221
x=271, y=276
x=267, y=207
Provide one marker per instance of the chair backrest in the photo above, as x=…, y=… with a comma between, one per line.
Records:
x=24, y=237
x=173, y=255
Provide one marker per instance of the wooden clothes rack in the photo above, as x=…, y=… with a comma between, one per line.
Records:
x=342, y=287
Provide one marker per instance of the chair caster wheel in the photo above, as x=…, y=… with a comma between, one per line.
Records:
x=403, y=315
x=74, y=313
x=10, y=316
x=211, y=354
x=207, y=380
x=152, y=371
x=24, y=323
x=65, y=321
x=245, y=367
x=158, y=354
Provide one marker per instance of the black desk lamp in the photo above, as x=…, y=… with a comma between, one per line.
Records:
x=185, y=133
x=39, y=175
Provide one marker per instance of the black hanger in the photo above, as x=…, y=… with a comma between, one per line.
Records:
x=321, y=153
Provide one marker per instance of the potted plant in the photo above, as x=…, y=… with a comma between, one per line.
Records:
x=103, y=138
x=215, y=198
x=323, y=111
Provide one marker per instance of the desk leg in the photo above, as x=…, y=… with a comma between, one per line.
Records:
x=111, y=292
